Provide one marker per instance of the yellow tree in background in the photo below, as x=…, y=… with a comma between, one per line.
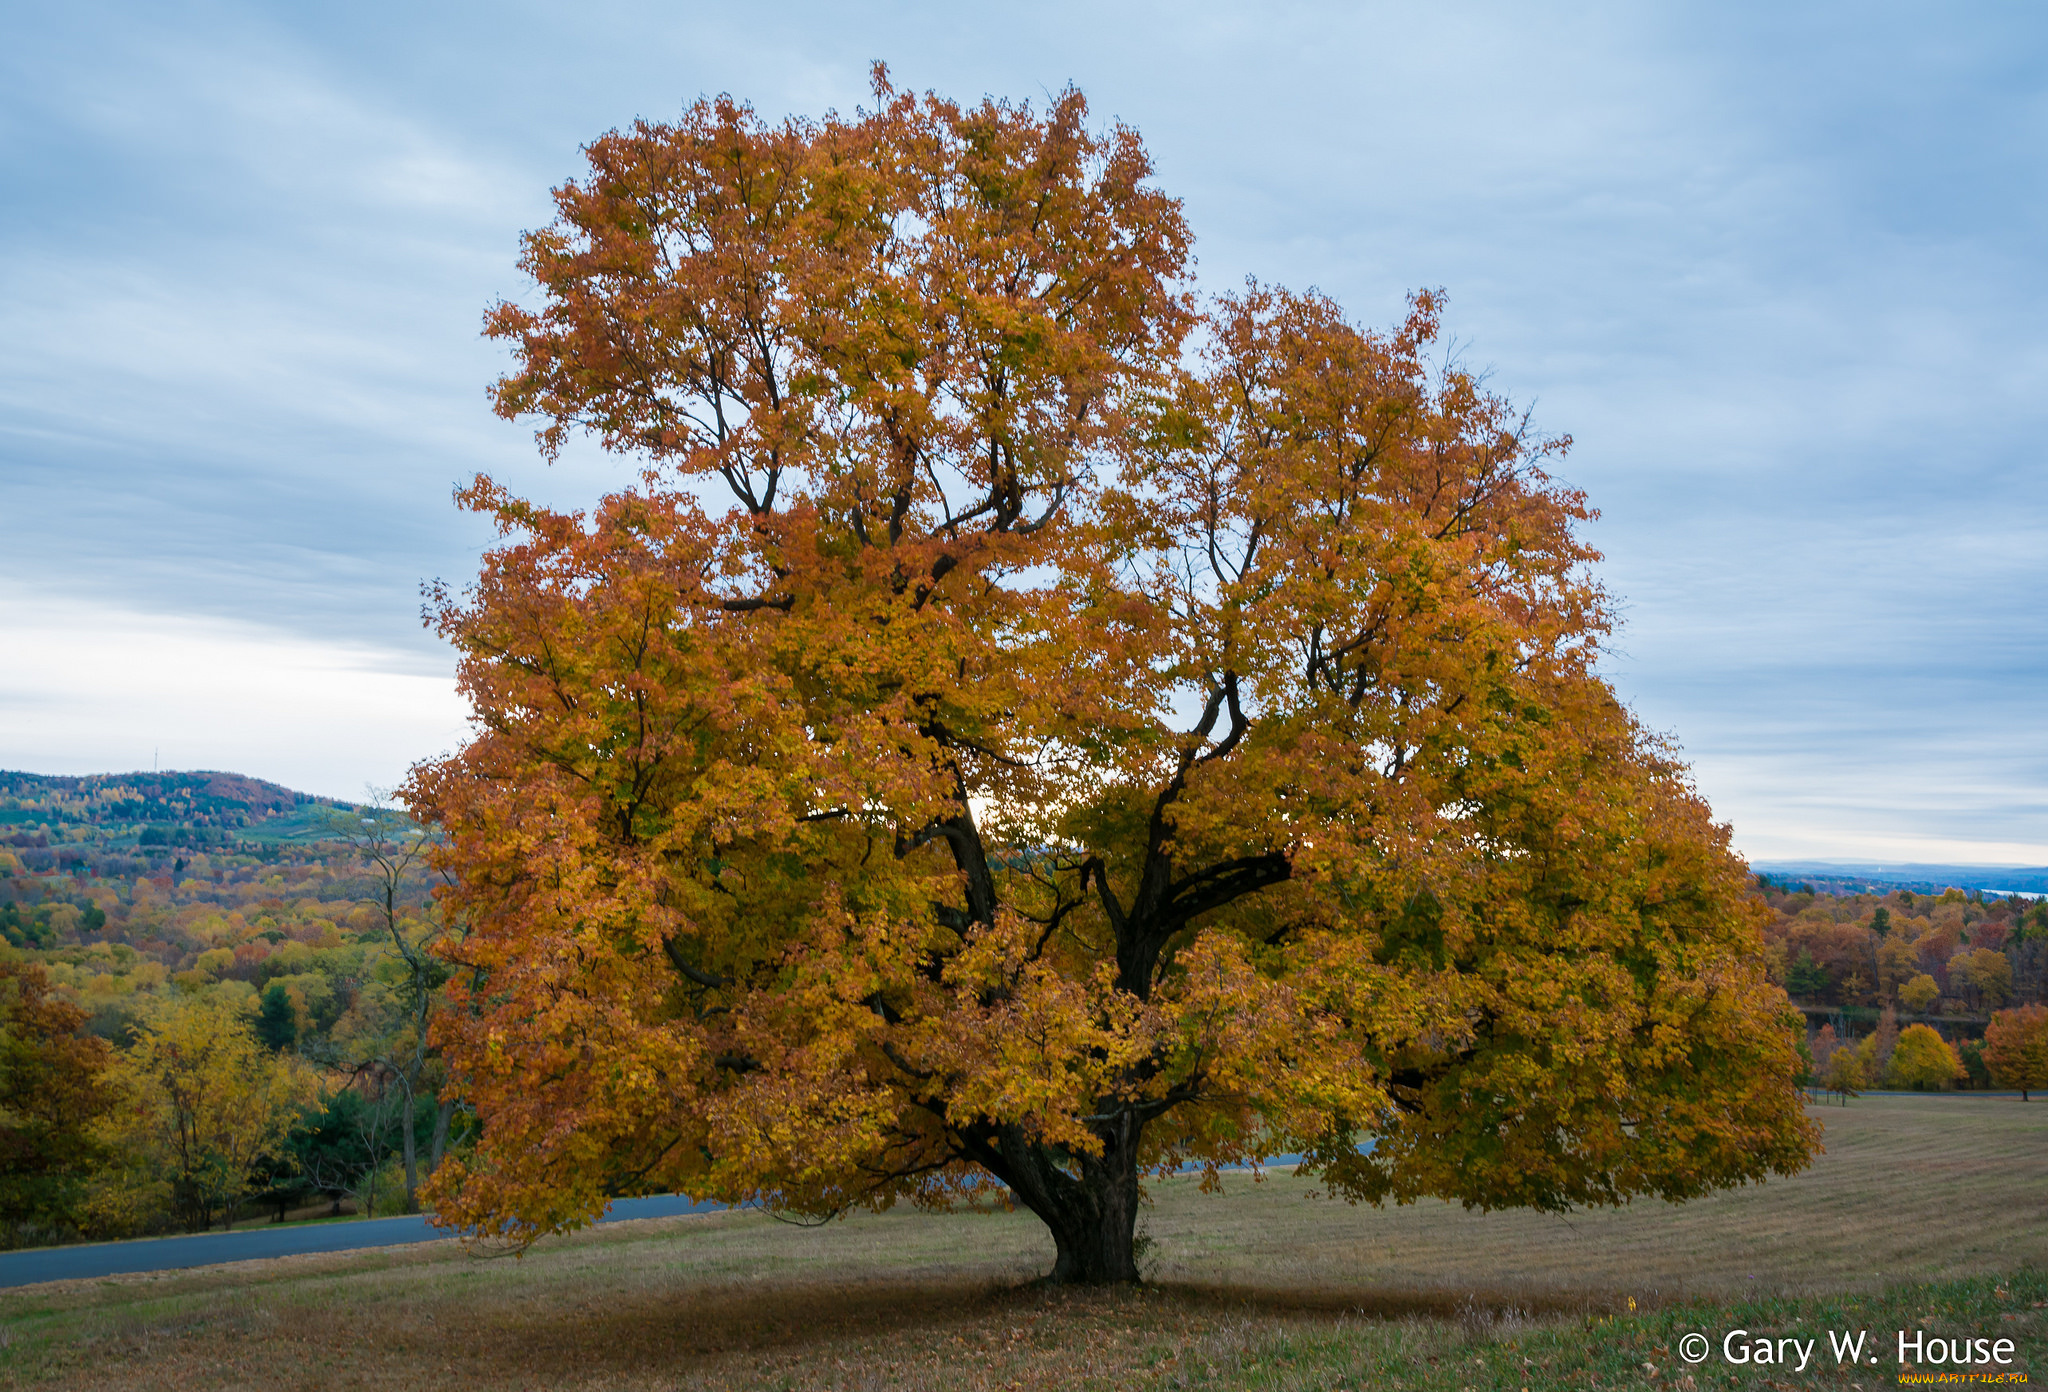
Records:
x=1843, y=1075
x=202, y=1102
x=1923, y=1059
x=1985, y=975
x=1919, y=993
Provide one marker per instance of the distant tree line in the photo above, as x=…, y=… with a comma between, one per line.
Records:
x=1956, y=953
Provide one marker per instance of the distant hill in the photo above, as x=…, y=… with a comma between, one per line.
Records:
x=1879, y=877
x=154, y=808
x=125, y=884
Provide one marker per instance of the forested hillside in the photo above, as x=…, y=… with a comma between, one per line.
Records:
x=1969, y=953
x=272, y=944
x=1905, y=989
x=215, y=801
x=126, y=882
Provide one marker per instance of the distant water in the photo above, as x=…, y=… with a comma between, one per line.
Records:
x=1920, y=878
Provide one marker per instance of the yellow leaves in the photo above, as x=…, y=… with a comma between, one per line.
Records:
x=1919, y=993
x=1270, y=1044
x=1060, y=750
x=1983, y=972
x=1021, y=1041
x=202, y=1101
x=1610, y=975
x=1923, y=1059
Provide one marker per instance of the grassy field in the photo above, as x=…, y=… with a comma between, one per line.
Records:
x=1926, y=1214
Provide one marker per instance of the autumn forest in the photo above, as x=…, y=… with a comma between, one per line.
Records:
x=213, y=1002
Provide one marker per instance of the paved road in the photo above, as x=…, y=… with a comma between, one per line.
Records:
x=249, y=1244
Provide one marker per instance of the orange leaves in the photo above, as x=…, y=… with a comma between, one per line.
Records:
x=1062, y=756
x=2016, y=1048
x=895, y=314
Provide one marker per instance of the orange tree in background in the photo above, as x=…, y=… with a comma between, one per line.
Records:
x=53, y=1090
x=2016, y=1048
x=1032, y=726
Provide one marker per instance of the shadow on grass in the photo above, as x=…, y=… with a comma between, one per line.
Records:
x=709, y=1320
x=710, y=1323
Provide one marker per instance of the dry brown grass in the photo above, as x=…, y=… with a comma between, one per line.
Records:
x=1910, y=1189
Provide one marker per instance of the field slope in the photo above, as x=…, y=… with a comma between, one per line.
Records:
x=1267, y=1285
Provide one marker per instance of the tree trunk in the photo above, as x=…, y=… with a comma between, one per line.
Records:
x=1097, y=1245
x=412, y=1155
x=439, y=1145
x=1089, y=1202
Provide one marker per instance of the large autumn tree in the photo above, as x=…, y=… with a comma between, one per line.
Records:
x=1031, y=725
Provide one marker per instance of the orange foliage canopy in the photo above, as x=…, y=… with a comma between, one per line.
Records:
x=53, y=1090
x=1092, y=731
x=2016, y=1048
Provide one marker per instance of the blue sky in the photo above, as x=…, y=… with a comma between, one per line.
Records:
x=1778, y=269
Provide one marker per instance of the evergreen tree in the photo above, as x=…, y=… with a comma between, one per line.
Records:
x=277, y=1023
